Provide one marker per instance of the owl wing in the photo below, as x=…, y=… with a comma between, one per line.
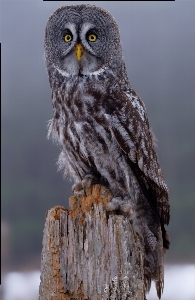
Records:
x=128, y=122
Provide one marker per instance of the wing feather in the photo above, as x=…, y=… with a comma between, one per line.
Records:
x=129, y=125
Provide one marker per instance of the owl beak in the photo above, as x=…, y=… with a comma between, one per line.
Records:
x=79, y=51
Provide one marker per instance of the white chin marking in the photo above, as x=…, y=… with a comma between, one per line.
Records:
x=63, y=73
x=67, y=74
x=98, y=72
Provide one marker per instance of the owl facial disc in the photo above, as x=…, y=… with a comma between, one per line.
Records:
x=77, y=43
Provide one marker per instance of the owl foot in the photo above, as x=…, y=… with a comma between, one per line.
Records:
x=88, y=180
x=121, y=206
x=77, y=189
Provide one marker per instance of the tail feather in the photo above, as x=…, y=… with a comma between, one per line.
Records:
x=159, y=287
x=147, y=277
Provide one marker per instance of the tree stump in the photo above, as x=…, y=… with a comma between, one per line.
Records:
x=89, y=253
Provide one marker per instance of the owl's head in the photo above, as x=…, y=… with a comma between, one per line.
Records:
x=81, y=40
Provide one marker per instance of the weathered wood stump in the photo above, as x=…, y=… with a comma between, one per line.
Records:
x=90, y=254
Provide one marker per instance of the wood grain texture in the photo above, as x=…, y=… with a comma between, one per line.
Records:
x=90, y=254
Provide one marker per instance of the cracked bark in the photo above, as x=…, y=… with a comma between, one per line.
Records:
x=90, y=254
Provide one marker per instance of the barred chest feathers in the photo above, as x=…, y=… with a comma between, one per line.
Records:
x=82, y=130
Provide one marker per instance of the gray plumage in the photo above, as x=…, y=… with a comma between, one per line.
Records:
x=101, y=124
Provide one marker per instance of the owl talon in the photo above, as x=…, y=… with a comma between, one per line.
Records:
x=78, y=189
x=114, y=204
x=77, y=186
x=111, y=206
x=89, y=180
x=127, y=209
x=118, y=204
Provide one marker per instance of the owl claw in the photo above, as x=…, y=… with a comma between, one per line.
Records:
x=78, y=189
x=128, y=209
x=89, y=180
x=111, y=206
x=114, y=204
x=77, y=186
x=120, y=205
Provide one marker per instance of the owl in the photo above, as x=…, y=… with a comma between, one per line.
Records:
x=102, y=127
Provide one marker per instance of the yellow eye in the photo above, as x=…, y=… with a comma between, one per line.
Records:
x=68, y=38
x=92, y=37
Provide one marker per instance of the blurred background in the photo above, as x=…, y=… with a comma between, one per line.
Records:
x=158, y=41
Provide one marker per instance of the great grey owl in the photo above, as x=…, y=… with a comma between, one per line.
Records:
x=101, y=125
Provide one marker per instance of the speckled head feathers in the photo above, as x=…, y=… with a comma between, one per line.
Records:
x=79, y=21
